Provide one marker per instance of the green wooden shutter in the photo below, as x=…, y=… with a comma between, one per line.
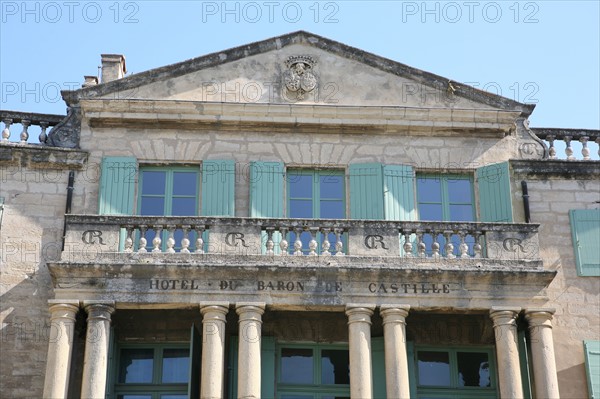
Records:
x=592, y=367
x=195, y=362
x=218, y=188
x=366, y=191
x=378, y=364
x=399, y=192
x=266, y=196
x=585, y=230
x=495, y=200
x=118, y=177
x=232, y=368
x=412, y=368
x=267, y=369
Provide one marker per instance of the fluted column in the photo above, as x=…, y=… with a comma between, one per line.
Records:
x=60, y=345
x=359, y=337
x=542, y=352
x=249, y=365
x=396, y=358
x=507, y=351
x=96, y=349
x=213, y=349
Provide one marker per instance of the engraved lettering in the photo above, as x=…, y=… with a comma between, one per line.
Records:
x=511, y=244
x=89, y=237
x=372, y=240
x=233, y=240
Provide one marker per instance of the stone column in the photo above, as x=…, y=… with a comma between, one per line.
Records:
x=213, y=349
x=507, y=351
x=359, y=337
x=60, y=345
x=96, y=348
x=249, y=365
x=542, y=352
x=396, y=358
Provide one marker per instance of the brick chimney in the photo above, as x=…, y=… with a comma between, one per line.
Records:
x=113, y=67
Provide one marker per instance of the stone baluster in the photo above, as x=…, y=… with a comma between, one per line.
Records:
x=326, y=244
x=312, y=245
x=25, y=134
x=477, y=249
x=199, y=240
x=435, y=245
x=339, y=245
x=284, y=242
x=185, y=241
x=6, y=131
x=585, y=151
x=421, y=247
x=449, y=247
x=171, y=239
x=128, y=246
x=270, y=243
x=408, y=246
x=143, y=241
x=298, y=242
x=463, y=247
x=157, y=241
x=43, y=137
x=551, y=149
x=568, y=150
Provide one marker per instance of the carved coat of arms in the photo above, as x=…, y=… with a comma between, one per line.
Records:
x=299, y=78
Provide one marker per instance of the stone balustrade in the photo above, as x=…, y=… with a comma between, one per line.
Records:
x=586, y=137
x=26, y=120
x=295, y=237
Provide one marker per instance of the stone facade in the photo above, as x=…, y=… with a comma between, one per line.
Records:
x=356, y=108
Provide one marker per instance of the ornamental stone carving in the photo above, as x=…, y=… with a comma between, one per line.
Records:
x=299, y=78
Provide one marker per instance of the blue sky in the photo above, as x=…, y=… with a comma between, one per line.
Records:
x=544, y=52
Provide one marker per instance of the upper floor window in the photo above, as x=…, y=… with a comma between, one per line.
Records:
x=445, y=198
x=318, y=194
x=168, y=191
x=585, y=230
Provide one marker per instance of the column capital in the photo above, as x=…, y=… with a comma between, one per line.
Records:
x=99, y=309
x=250, y=310
x=394, y=313
x=359, y=312
x=539, y=317
x=504, y=315
x=63, y=309
x=214, y=311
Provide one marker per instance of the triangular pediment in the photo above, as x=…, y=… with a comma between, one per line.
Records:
x=298, y=68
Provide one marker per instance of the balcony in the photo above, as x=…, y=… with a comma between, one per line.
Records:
x=187, y=239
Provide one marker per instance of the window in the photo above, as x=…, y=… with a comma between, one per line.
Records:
x=455, y=373
x=315, y=194
x=446, y=198
x=152, y=372
x=585, y=230
x=592, y=366
x=168, y=192
x=313, y=372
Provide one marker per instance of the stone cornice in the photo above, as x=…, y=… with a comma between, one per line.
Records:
x=556, y=168
x=40, y=156
x=372, y=119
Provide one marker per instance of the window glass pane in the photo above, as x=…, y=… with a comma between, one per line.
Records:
x=459, y=190
x=184, y=207
x=331, y=185
x=184, y=183
x=154, y=182
x=332, y=210
x=297, y=366
x=335, y=367
x=301, y=209
x=433, y=368
x=461, y=213
x=136, y=365
x=430, y=212
x=154, y=206
x=171, y=396
x=473, y=369
x=175, y=365
x=429, y=189
x=301, y=186
x=134, y=397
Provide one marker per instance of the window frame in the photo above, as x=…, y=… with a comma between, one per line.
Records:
x=316, y=390
x=579, y=259
x=169, y=183
x=454, y=391
x=444, y=178
x=156, y=388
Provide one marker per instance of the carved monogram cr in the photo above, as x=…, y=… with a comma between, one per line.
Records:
x=371, y=241
x=233, y=240
x=299, y=78
x=89, y=237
